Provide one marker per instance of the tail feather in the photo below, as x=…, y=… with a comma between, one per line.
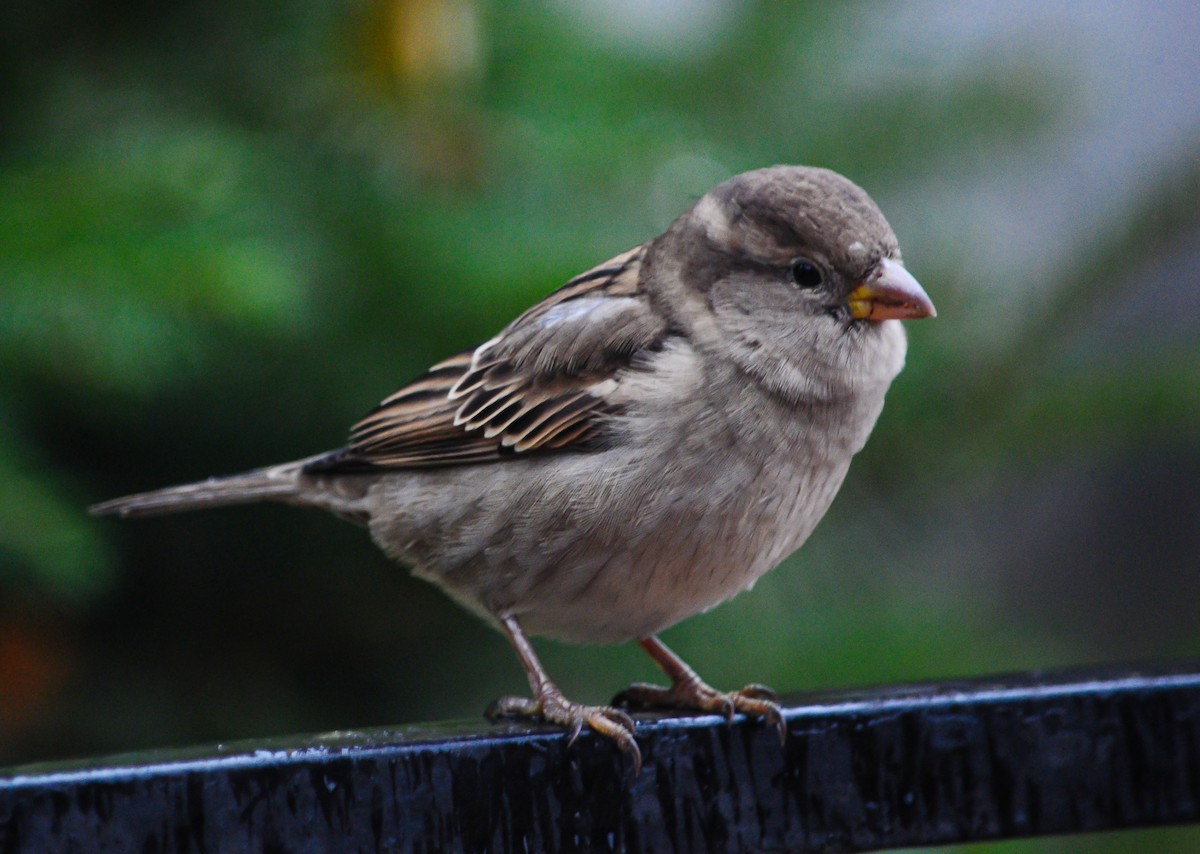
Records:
x=273, y=483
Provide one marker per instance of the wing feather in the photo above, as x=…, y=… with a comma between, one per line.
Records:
x=541, y=385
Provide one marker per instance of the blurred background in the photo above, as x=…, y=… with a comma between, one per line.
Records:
x=228, y=229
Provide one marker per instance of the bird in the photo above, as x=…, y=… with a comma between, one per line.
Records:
x=639, y=446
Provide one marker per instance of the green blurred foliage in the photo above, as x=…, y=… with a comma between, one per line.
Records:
x=226, y=230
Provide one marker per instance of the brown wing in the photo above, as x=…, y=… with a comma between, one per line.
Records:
x=540, y=385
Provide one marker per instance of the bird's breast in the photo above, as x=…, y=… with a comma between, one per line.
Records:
x=702, y=495
x=724, y=501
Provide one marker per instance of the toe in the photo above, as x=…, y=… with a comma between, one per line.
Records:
x=606, y=721
x=766, y=710
x=772, y=714
x=512, y=707
x=619, y=727
x=724, y=705
x=620, y=718
x=759, y=692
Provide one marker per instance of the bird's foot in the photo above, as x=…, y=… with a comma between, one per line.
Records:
x=695, y=695
x=552, y=707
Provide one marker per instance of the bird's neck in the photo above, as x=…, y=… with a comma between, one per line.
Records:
x=800, y=374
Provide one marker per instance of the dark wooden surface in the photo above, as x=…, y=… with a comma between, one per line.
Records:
x=994, y=758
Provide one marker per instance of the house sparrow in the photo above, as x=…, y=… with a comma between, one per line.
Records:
x=639, y=446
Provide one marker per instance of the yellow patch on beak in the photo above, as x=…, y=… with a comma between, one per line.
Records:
x=891, y=293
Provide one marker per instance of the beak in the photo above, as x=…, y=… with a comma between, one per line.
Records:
x=891, y=293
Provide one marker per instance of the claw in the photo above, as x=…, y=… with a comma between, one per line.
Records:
x=689, y=691
x=551, y=706
x=770, y=713
x=776, y=717
x=556, y=709
x=623, y=719
x=758, y=691
x=574, y=731
x=753, y=700
x=635, y=756
x=611, y=723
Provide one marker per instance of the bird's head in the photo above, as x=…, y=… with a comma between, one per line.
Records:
x=799, y=274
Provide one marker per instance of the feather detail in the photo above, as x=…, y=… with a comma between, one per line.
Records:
x=542, y=384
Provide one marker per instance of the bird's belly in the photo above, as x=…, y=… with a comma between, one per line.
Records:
x=686, y=565
x=606, y=553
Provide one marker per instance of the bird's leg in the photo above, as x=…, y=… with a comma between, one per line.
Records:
x=689, y=691
x=550, y=705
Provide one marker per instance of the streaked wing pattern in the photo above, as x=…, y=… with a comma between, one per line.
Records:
x=540, y=385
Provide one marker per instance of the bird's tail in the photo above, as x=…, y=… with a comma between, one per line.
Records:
x=274, y=483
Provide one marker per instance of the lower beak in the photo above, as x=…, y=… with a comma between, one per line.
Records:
x=890, y=293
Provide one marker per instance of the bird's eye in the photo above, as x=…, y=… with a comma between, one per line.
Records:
x=805, y=274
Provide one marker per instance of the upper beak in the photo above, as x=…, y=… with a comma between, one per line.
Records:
x=890, y=293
